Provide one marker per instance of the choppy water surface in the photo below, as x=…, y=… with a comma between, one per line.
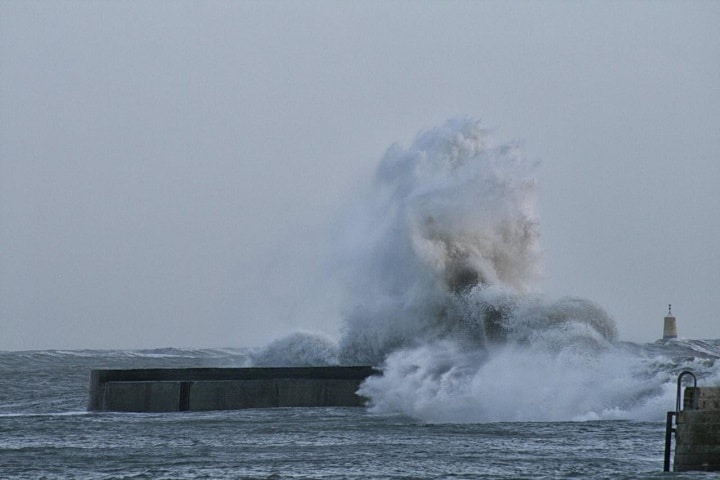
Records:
x=45, y=432
x=437, y=265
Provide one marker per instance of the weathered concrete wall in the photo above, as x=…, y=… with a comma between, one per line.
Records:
x=708, y=398
x=167, y=390
x=697, y=434
x=697, y=440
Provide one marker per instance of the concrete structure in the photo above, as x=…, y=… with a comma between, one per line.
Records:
x=697, y=432
x=669, y=326
x=172, y=390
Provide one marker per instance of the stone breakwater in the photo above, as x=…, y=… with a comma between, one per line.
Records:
x=200, y=389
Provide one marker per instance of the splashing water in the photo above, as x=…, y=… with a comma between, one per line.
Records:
x=441, y=260
x=298, y=349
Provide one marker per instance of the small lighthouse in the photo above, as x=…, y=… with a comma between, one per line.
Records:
x=670, y=326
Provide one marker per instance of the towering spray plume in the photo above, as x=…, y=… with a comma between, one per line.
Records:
x=443, y=257
x=439, y=264
x=446, y=246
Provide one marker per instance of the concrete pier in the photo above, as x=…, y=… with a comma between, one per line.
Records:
x=196, y=389
x=697, y=432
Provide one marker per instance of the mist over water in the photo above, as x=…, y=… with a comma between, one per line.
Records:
x=440, y=268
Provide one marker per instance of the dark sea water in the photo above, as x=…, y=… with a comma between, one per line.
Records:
x=46, y=432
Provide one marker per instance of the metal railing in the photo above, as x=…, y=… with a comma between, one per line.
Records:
x=669, y=428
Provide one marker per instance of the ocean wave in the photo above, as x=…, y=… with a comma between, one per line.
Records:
x=440, y=267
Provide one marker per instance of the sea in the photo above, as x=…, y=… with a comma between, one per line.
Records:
x=436, y=279
x=46, y=431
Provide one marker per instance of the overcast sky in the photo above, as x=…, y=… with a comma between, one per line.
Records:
x=168, y=170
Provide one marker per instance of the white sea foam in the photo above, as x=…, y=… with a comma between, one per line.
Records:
x=298, y=349
x=440, y=263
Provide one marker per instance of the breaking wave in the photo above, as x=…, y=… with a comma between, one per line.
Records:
x=440, y=265
x=298, y=349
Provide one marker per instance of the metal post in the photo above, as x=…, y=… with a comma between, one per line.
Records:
x=669, y=430
x=668, y=440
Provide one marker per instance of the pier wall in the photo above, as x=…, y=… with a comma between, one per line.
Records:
x=697, y=434
x=198, y=389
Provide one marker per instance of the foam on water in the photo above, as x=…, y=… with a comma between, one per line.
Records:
x=298, y=349
x=440, y=268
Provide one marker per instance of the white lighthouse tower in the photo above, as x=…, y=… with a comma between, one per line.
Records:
x=670, y=326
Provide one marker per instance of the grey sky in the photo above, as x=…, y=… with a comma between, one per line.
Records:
x=168, y=170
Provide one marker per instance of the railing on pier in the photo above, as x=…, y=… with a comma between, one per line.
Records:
x=671, y=418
